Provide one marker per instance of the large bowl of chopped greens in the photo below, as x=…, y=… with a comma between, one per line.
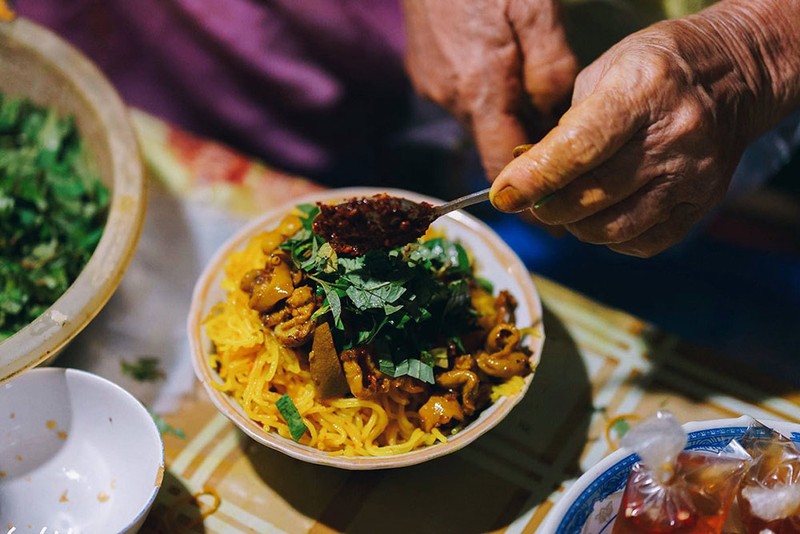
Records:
x=72, y=194
x=382, y=360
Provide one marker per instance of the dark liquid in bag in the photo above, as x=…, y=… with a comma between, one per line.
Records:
x=695, y=498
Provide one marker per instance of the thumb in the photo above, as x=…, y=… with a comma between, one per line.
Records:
x=588, y=134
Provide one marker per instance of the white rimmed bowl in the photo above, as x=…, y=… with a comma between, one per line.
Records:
x=78, y=454
x=495, y=261
x=574, y=507
x=37, y=65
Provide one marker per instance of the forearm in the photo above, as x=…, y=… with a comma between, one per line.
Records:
x=762, y=38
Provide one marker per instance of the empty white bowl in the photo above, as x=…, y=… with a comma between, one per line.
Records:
x=78, y=454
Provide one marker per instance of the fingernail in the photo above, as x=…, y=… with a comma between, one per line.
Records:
x=521, y=149
x=509, y=199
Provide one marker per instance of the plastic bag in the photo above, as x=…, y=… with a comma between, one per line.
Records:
x=675, y=491
x=769, y=497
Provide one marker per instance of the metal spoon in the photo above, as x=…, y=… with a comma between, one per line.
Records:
x=459, y=203
x=480, y=196
x=474, y=198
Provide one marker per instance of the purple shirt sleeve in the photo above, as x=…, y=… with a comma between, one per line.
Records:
x=300, y=83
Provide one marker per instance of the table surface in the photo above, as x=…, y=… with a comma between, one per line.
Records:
x=601, y=369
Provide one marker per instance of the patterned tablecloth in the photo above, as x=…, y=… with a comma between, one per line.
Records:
x=601, y=369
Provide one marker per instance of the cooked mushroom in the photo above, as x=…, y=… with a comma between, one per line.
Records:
x=467, y=381
x=363, y=376
x=297, y=327
x=501, y=358
x=270, y=285
x=504, y=364
x=439, y=410
x=505, y=306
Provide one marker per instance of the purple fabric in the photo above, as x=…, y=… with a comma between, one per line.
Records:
x=301, y=83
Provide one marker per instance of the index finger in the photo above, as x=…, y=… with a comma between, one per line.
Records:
x=496, y=134
x=586, y=136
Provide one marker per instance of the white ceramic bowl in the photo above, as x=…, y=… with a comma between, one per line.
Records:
x=572, y=510
x=495, y=261
x=78, y=454
x=38, y=65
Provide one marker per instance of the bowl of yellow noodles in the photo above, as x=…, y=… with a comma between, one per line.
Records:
x=382, y=360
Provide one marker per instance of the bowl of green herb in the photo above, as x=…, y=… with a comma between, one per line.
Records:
x=72, y=194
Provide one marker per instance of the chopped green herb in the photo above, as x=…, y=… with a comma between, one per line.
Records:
x=292, y=417
x=485, y=284
x=52, y=210
x=621, y=427
x=144, y=369
x=165, y=428
x=410, y=366
x=407, y=301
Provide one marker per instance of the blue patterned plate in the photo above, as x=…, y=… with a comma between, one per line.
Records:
x=572, y=510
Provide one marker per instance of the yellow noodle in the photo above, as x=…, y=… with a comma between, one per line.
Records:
x=390, y=434
x=512, y=386
x=399, y=397
x=438, y=434
x=312, y=431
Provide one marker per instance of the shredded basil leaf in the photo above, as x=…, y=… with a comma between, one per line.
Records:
x=485, y=284
x=621, y=427
x=144, y=369
x=292, y=417
x=165, y=428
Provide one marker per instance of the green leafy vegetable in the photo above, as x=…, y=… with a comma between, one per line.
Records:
x=52, y=210
x=292, y=417
x=409, y=302
x=621, y=427
x=165, y=428
x=409, y=366
x=485, y=284
x=144, y=369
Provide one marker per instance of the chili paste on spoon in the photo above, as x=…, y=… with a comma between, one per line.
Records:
x=359, y=225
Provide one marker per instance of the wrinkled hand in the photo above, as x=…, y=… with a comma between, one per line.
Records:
x=656, y=129
x=487, y=62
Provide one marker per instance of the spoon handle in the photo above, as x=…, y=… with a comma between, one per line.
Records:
x=462, y=202
x=480, y=196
